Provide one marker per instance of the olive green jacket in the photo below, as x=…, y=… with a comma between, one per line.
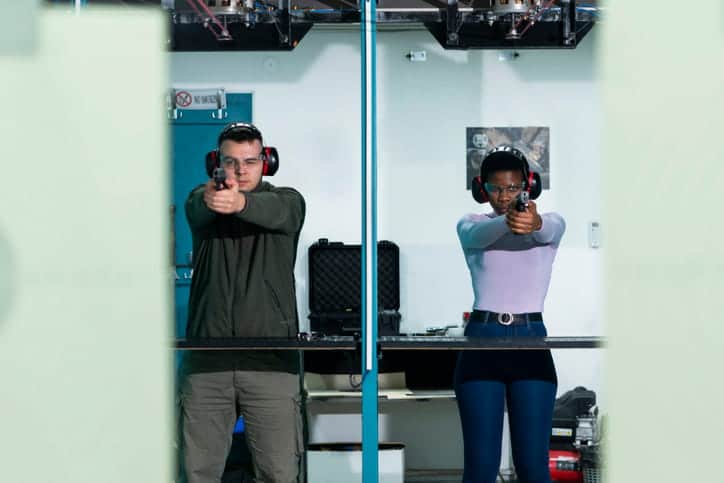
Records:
x=243, y=265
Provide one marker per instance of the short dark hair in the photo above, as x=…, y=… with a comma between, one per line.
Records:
x=502, y=161
x=240, y=132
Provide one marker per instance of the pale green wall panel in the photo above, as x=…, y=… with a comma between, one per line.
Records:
x=85, y=286
x=18, y=35
x=663, y=163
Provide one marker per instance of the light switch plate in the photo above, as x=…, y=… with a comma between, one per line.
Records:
x=594, y=234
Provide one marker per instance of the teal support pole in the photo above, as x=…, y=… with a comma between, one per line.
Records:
x=370, y=431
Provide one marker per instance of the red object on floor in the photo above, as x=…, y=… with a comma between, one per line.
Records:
x=565, y=466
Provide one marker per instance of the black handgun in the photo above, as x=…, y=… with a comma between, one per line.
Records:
x=220, y=178
x=521, y=201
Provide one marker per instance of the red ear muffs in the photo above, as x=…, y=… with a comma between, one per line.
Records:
x=212, y=162
x=270, y=156
x=479, y=194
x=535, y=186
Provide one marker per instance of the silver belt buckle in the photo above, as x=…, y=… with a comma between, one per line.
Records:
x=506, y=318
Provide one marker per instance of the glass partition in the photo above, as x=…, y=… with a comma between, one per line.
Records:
x=441, y=113
x=306, y=103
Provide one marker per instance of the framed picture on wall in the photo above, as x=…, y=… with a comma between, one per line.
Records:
x=533, y=141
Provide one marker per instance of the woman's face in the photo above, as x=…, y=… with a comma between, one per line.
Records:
x=502, y=188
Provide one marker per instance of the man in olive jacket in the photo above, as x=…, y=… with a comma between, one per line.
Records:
x=244, y=249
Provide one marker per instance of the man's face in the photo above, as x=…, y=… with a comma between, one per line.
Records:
x=502, y=188
x=241, y=161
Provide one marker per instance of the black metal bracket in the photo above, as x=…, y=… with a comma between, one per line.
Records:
x=568, y=23
x=284, y=23
x=452, y=21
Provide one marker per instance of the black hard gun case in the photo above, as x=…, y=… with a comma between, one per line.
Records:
x=335, y=288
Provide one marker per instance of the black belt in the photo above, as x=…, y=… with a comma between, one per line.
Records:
x=505, y=318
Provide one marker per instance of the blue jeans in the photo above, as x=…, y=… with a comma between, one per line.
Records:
x=484, y=380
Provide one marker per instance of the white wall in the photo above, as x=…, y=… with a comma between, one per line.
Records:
x=424, y=109
x=307, y=103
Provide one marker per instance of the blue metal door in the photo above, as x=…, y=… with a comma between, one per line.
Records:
x=193, y=134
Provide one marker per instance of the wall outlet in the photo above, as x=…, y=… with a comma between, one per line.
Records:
x=417, y=56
